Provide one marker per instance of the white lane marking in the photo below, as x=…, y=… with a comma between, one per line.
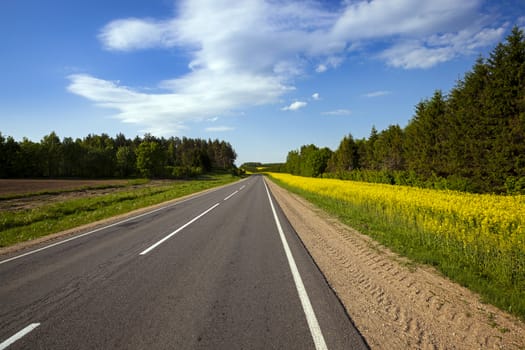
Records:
x=313, y=324
x=18, y=335
x=109, y=226
x=243, y=186
x=82, y=235
x=231, y=195
x=146, y=251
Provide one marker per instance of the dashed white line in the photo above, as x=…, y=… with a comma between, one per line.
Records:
x=18, y=335
x=231, y=195
x=146, y=251
x=243, y=186
x=311, y=319
x=108, y=226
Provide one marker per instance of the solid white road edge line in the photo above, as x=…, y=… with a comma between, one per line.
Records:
x=313, y=324
x=109, y=226
x=146, y=251
x=18, y=335
x=231, y=195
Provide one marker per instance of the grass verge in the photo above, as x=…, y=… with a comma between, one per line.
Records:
x=411, y=241
x=29, y=224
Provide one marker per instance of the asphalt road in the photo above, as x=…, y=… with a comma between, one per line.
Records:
x=217, y=271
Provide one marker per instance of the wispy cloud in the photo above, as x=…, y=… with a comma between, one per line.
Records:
x=134, y=33
x=377, y=93
x=438, y=48
x=338, y=112
x=232, y=66
x=192, y=98
x=294, y=106
x=316, y=96
x=321, y=68
x=219, y=129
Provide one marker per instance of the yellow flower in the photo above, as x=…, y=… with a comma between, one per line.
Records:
x=484, y=225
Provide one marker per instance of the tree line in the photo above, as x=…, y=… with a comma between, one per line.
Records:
x=257, y=167
x=472, y=139
x=101, y=156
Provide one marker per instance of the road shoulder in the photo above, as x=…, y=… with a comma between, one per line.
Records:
x=394, y=303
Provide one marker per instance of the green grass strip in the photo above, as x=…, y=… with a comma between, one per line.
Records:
x=29, y=224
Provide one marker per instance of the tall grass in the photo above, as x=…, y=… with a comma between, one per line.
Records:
x=476, y=240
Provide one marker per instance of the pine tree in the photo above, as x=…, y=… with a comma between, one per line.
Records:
x=346, y=156
x=426, y=137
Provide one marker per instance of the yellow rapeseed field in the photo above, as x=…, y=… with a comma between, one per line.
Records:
x=487, y=231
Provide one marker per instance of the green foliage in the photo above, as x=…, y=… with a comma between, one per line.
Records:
x=308, y=161
x=256, y=167
x=388, y=151
x=346, y=157
x=184, y=172
x=515, y=185
x=51, y=154
x=426, y=137
x=100, y=156
x=126, y=160
x=149, y=159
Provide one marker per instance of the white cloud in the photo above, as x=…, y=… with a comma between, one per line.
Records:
x=329, y=62
x=441, y=48
x=385, y=18
x=415, y=55
x=419, y=34
x=133, y=33
x=521, y=22
x=246, y=53
x=377, y=93
x=189, y=98
x=316, y=96
x=219, y=129
x=321, y=68
x=338, y=112
x=294, y=106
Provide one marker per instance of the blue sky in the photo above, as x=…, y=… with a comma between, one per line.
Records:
x=267, y=76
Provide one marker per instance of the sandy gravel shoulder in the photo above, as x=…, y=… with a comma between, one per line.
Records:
x=394, y=303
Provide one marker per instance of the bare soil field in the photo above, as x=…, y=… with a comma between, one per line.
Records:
x=34, y=193
x=25, y=186
x=73, y=189
x=37, y=200
x=395, y=303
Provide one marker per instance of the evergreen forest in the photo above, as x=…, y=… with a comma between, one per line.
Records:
x=471, y=139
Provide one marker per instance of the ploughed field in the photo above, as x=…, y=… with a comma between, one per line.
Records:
x=11, y=187
x=20, y=194
x=31, y=209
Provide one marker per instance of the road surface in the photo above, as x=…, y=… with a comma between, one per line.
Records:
x=222, y=270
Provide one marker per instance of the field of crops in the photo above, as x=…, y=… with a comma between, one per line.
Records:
x=478, y=240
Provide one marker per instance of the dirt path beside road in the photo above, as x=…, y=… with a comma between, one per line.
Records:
x=394, y=303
